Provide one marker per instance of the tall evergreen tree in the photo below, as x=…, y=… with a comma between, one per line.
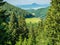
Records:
x=3, y=34
x=12, y=28
x=52, y=23
x=22, y=27
x=19, y=42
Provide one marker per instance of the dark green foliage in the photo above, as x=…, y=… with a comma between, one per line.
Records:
x=52, y=23
x=3, y=34
x=11, y=26
x=22, y=26
x=13, y=29
x=17, y=27
x=35, y=36
x=1, y=0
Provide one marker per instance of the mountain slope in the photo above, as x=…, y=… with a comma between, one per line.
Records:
x=39, y=12
x=16, y=10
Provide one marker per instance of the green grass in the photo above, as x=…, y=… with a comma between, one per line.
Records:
x=32, y=20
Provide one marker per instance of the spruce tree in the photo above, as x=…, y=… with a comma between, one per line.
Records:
x=12, y=29
x=22, y=27
x=19, y=42
x=30, y=40
x=40, y=35
x=52, y=23
x=3, y=34
x=24, y=42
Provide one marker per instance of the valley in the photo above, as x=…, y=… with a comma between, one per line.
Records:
x=29, y=22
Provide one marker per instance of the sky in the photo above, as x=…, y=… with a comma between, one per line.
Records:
x=25, y=2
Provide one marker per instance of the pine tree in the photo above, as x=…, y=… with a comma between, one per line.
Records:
x=40, y=35
x=19, y=42
x=52, y=23
x=30, y=36
x=24, y=42
x=22, y=27
x=3, y=34
x=30, y=39
x=12, y=28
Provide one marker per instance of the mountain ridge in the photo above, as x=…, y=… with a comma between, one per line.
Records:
x=17, y=11
x=41, y=13
x=32, y=6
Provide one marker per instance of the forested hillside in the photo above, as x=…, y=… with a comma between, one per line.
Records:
x=11, y=25
x=15, y=31
x=17, y=11
x=42, y=12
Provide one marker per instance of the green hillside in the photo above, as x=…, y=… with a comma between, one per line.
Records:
x=17, y=27
x=39, y=12
x=16, y=10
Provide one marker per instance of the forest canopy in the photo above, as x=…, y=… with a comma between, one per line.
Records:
x=15, y=31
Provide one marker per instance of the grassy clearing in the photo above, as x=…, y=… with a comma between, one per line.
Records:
x=32, y=20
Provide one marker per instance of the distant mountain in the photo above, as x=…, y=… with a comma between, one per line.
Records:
x=41, y=13
x=33, y=6
x=17, y=11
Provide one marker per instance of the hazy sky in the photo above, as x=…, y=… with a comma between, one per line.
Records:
x=23, y=2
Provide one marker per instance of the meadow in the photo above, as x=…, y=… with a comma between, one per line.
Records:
x=32, y=20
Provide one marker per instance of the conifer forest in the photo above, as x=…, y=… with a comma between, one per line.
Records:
x=29, y=27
